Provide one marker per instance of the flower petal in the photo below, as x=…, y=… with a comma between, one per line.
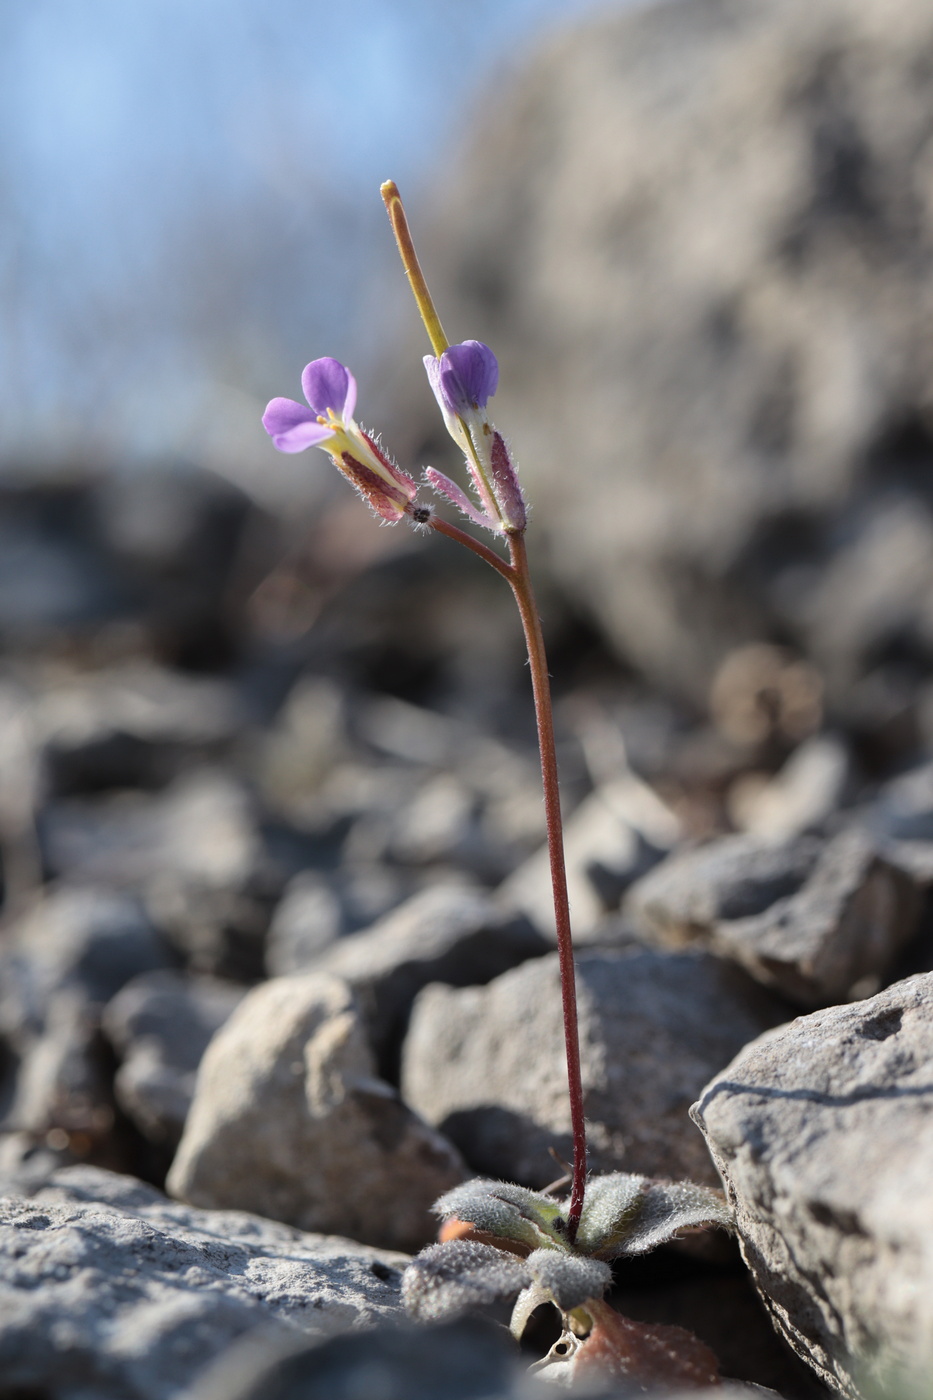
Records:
x=327, y=384
x=468, y=376
x=292, y=427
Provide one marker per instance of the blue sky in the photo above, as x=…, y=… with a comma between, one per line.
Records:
x=177, y=173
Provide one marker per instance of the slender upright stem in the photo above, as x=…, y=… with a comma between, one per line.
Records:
x=406, y=247
x=541, y=686
x=519, y=579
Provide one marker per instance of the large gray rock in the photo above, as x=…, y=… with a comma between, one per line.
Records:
x=487, y=1066
x=826, y=937
x=698, y=238
x=112, y=1292
x=289, y=1120
x=824, y=1137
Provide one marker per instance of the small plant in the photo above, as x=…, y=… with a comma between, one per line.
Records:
x=502, y=1241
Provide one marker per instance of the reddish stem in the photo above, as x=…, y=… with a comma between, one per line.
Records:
x=541, y=686
x=519, y=578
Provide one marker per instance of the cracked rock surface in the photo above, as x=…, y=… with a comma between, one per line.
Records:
x=823, y=1133
x=108, y=1290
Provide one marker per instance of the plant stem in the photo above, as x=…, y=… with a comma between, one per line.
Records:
x=519, y=579
x=541, y=686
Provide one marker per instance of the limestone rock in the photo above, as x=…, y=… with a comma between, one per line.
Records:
x=60, y=963
x=486, y=1064
x=447, y=933
x=160, y=1024
x=616, y=834
x=833, y=937
x=823, y=1134
x=290, y=1121
x=111, y=1291
x=706, y=227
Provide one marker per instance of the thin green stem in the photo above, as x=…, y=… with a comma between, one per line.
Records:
x=541, y=686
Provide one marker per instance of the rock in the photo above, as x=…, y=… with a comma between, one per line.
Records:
x=732, y=877
x=747, y=357
x=110, y=1290
x=290, y=1121
x=823, y=1134
x=486, y=1064
x=616, y=834
x=901, y=817
x=463, y=1360
x=447, y=933
x=306, y=921
x=160, y=1024
x=801, y=797
x=194, y=852
x=59, y=965
x=834, y=938
x=136, y=725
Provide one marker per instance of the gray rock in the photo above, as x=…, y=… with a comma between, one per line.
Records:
x=195, y=854
x=801, y=797
x=487, y=1066
x=135, y=725
x=616, y=834
x=447, y=933
x=823, y=1134
x=59, y=965
x=746, y=354
x=901, y=817
x=112, y=1292
x=160, y=1024
x=306, y=921
x=289, y=1120
x=835, y=937
x=732, y=877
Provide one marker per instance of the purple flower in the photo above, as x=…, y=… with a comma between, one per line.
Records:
x=330, y=390
x=465, y=377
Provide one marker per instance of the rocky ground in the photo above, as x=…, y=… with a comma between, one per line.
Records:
x=277, y=960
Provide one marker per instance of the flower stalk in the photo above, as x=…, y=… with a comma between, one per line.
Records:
x=474, y=377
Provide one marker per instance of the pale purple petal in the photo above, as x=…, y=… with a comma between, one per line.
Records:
x=445, y=487
x=467, y=376
x=292, y=427
x=329, y=384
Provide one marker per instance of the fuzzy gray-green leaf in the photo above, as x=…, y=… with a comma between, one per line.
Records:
x=569, y=1278
x=446, y=1280
x=611, y=1207
x=667, y=1209
x=500, y=1208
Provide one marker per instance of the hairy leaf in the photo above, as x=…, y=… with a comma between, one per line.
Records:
x=446, y=1280
x=511, y=1212
x=667, y=1209
x=611, y=1206
x=570, y=1279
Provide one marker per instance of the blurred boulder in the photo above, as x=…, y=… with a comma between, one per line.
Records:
x=195, y=852
x=823, y=1134
x=110, y=1290
x=828, y=933
x=699, y=238
x=446, y=933
x=60, y=964
x=289, y=1120
x=160, y=1024
x=616, y=834
x=487, y=1064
